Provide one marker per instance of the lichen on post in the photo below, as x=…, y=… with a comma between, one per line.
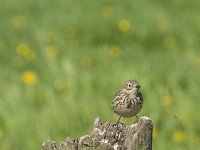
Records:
x=110, y=136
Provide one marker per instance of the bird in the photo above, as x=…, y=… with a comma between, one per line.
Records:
x=128, y=101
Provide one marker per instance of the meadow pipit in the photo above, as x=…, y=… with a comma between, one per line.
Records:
x=128, y=101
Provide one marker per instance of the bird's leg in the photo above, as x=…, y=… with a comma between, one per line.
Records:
x=118, y=119
x=137, y=118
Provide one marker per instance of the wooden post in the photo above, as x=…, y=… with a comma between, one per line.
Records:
x=110, y=136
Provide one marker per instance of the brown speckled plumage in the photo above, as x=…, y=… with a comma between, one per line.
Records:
x=128, y=101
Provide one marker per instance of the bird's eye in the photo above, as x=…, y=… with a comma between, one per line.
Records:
x=129, y=85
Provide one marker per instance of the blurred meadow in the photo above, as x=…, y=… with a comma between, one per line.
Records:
x=62, y=62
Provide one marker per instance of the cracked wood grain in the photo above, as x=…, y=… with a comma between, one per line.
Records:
x=110, y=136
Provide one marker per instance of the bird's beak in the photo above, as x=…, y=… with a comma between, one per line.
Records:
x=138, y=86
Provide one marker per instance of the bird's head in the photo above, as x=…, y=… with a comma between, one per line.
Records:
x=132, y=86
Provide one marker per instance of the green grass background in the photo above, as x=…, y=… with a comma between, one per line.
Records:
x=81, y=58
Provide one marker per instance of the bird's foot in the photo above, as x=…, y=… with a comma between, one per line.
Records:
x=137, y=119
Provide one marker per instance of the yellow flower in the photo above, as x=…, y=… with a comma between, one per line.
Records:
x=169, y=42
x=124, y=25
x=70, y=32
x=29, y=78
x=18, y=21
x=155, y=132
x=179, y=136
x=51, y=35
x=22, y=49
x=107, y=11
x=30, y=55
x=26, y=52
x=167, y=101
x=61, y=85
x=52, y=51
x=115, y=52
x=164, y=25
x=86, y=62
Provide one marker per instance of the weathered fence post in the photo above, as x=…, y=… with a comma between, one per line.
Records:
x=110, y=136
